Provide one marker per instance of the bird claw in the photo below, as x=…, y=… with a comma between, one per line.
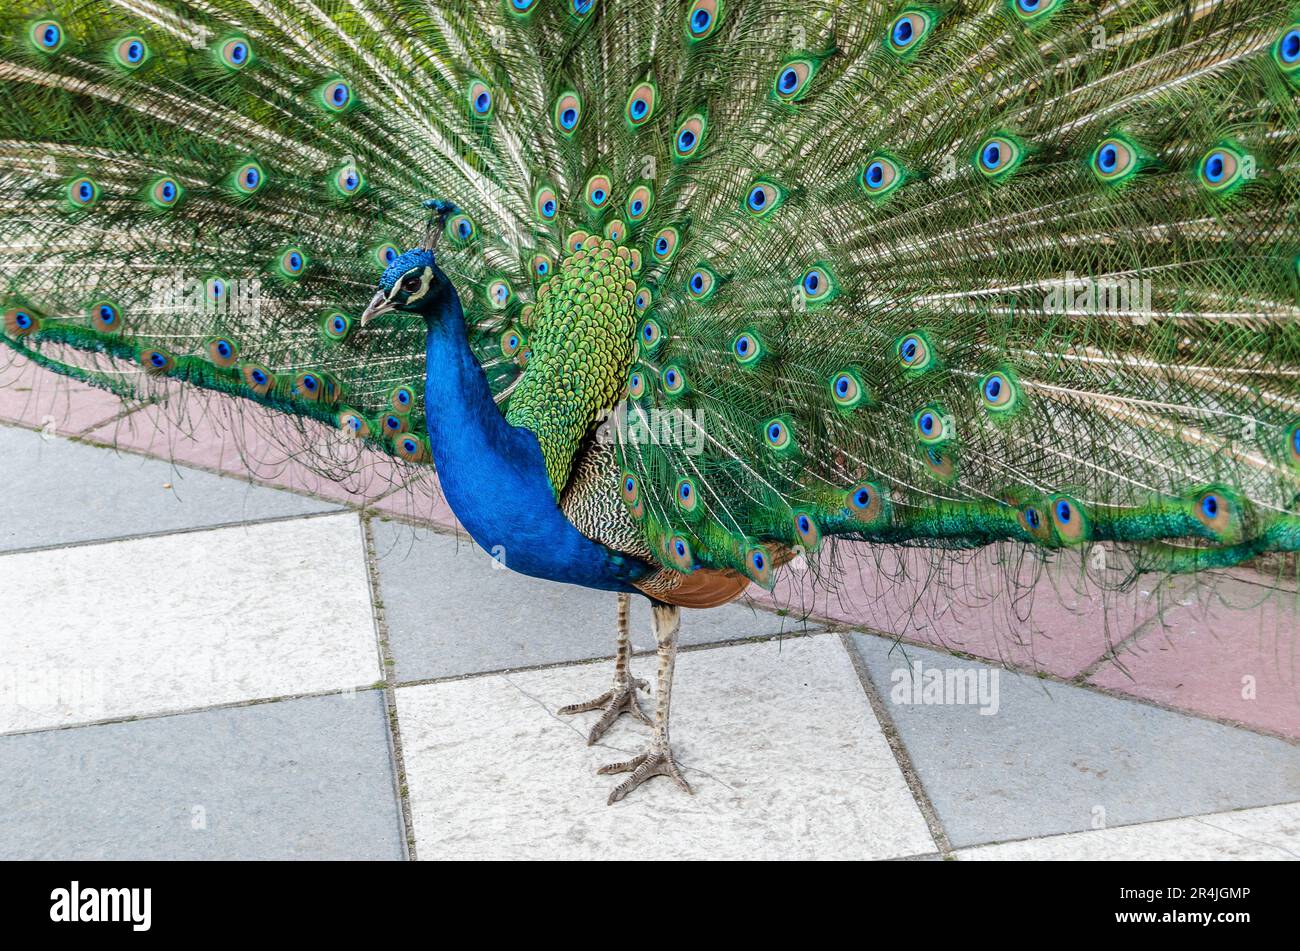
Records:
x=619, y=699
x=653, y=762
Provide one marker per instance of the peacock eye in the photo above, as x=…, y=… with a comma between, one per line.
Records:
x=411, y=284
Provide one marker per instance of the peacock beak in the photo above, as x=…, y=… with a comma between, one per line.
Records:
x=379, y=304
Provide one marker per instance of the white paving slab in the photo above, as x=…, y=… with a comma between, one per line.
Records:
x=181, y=621
x=778, y=740
x=1269, y=833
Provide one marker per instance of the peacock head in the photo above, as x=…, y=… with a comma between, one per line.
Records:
x=412, y=284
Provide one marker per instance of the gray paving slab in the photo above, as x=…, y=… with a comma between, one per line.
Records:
x=1051, y=758
x=452, y=610
x=63, y=492
x=297, y=779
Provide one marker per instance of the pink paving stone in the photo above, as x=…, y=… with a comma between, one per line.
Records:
x=32, y=396
x=1070, y=628
x=420, y=500
x=247, y=440
x=1239, y=660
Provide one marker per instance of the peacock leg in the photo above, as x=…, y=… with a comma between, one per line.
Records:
x=658, y=760
x=621, y=697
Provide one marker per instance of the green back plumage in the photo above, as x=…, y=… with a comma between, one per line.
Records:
x=937, y=274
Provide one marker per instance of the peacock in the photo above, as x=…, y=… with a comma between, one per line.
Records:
x=672, y=293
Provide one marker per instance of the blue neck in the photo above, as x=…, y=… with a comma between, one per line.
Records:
x=493, y=474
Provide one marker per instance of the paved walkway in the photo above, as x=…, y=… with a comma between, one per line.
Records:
x=192, y=666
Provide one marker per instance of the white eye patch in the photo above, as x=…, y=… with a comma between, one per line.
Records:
x=426, y=282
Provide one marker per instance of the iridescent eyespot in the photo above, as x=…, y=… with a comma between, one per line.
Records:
x=214, y=288
x=336, y=325
x=650, y=335
x=353, y=424
x=248, y=178
x=82, y=192
x=914, y=352
x=1217, y=511
x=747, y=348
x=1033, y=11
x=106, y=317
x=402, y=399
x=315, y=387
x=807, y=531
x=865, y=501
x=760, y=567
x=1071, y=521
x=689, y=135
x=817, y=286
x=907, y=32
x=521, y=7
x=292, y=262
x=1286, y=51
x=687, y=498
x=130, y=52
x=932, y=425
x=542, y=266
x=630, y=488
x=634, y=260
x=597, y=192
x=511, y=342
x=21, y=321
x=1000, y=391
x=581, y=8
x=1292, y=445
x=616, y=231
x=636, y=383
x=792, y=79
x=567, y=113
x=348, y=181
x=386, y=254
x=545, y=203
x=394, y=425
x=679, y=553
x=664, y=245
x=701, y=284
x=702, y=19
x=940, y=462
x=639, y=202
x=47, y=35
x=777, y=434
x=157, y=361
x=574, y=241
x=480, y=99
x=234, y=53
x=258, y=379
x=335, y=95
x=674, y=380
x=222, y=352
x=1033, y=521
x=641, y=104
x=460, y=229
x=1114, y=160
x=880, y=176
x=642, y=300
x=165, y=193
x=847, y=391
x=998, y=156
x=412, y=448
x=763, y=198
x=1222, y=168
x=499, y=293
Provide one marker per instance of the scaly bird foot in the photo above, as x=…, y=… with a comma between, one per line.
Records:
x=653, y=762
x=619, y=699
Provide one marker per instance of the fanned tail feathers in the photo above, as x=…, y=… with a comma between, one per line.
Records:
x=909, y=273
